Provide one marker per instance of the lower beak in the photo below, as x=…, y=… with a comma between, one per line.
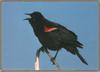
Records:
x=27, y=19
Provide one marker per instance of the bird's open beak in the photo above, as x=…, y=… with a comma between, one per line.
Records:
x=29, y=15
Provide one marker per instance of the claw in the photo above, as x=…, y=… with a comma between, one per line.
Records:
x=52, y=60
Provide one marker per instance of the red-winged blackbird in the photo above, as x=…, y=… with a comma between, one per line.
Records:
x=54, y=36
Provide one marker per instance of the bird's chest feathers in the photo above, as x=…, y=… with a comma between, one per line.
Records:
x=49, y=29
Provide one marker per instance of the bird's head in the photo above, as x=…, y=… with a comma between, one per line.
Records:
x=35, y=16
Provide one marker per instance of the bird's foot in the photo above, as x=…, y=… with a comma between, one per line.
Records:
x=53, y=60
x=42, y=49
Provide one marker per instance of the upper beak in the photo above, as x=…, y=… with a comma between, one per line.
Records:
x=28, y=14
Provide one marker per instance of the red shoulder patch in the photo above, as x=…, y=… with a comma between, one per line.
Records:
x=49, y=29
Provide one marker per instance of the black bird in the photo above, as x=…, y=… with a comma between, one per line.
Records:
x=54, y=36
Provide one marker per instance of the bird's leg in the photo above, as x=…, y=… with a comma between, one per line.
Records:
x=43, y=49
x=53, y=58
x=39, y=50
x=55, y=55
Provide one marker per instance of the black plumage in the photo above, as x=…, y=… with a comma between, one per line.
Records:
x=54, y=36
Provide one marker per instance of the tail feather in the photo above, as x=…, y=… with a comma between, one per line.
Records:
x=81, y=58
x=78, y=44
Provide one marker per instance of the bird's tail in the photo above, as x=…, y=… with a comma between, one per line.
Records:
x=81, y=58
x=78, y=44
